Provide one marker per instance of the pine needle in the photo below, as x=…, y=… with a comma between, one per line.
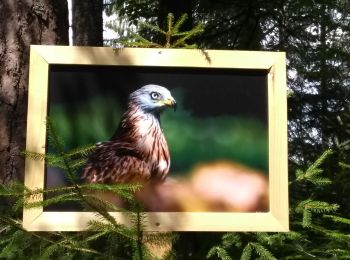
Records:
x=218, y=252
x=247, y=252
x=338, y=219
x=231, y=239
x=173, y=37
x=262, y=251
x=82, y=151
x=125, y=190
x=51, y=201
x=312, y=174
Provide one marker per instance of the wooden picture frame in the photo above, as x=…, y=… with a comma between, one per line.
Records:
x=273, y=63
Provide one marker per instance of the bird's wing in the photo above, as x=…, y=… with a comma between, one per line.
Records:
x=115, y=162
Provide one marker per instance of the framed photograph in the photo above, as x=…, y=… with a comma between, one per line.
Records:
x=217, y=163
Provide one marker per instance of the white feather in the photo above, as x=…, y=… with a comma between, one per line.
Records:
x=162, y=165
x=143, y=126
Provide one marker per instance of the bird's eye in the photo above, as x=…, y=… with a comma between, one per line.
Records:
x=155, y=95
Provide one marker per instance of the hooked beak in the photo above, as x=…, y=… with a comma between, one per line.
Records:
x=170, y=102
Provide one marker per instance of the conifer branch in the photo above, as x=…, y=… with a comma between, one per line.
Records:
x=218, y=252
x=124, y=190
x=307, y=207
x=139, y=41
x=95, y=204
x=338, y=219
x=262, y=251
x=344, y=165
x=178, y=24
x=247, y=252
x=173, y=37
x=159, y=239
x=312, y=174
x=82, y=151
x=20, y=232
x=333, y=235
x=339, y=253
x=50, y=201
x=230, y=239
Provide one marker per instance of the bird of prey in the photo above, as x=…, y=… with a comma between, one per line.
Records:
x=138, y=151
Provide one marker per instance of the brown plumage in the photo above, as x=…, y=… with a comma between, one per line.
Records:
x=138, y=151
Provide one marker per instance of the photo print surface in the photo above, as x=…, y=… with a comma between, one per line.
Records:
x=217, y=137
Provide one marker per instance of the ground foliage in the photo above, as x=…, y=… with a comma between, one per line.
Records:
x=319, y=229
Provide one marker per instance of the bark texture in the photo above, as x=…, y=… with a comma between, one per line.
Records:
x=22, y=23
x=87, y=22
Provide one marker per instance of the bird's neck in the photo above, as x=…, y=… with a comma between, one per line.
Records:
x=141, y=130
x=136, y=122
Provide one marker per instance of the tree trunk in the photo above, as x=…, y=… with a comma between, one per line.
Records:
x=87, y=22
x=324, y=75
x=23, y=22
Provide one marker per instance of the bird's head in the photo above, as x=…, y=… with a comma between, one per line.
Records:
x=153, y=98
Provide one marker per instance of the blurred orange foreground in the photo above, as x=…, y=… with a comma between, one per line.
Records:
x=220, y=186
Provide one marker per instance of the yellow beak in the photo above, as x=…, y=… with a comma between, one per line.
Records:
x=170, y=102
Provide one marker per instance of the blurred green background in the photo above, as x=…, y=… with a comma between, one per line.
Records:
x=192, y=139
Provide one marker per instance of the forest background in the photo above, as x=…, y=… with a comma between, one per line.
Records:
x=315, y=36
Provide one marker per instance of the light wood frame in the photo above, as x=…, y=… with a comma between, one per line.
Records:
x=277, y=219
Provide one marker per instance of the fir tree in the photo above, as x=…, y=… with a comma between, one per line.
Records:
x=105, y=238
x=172, y=36
x=312, y=221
